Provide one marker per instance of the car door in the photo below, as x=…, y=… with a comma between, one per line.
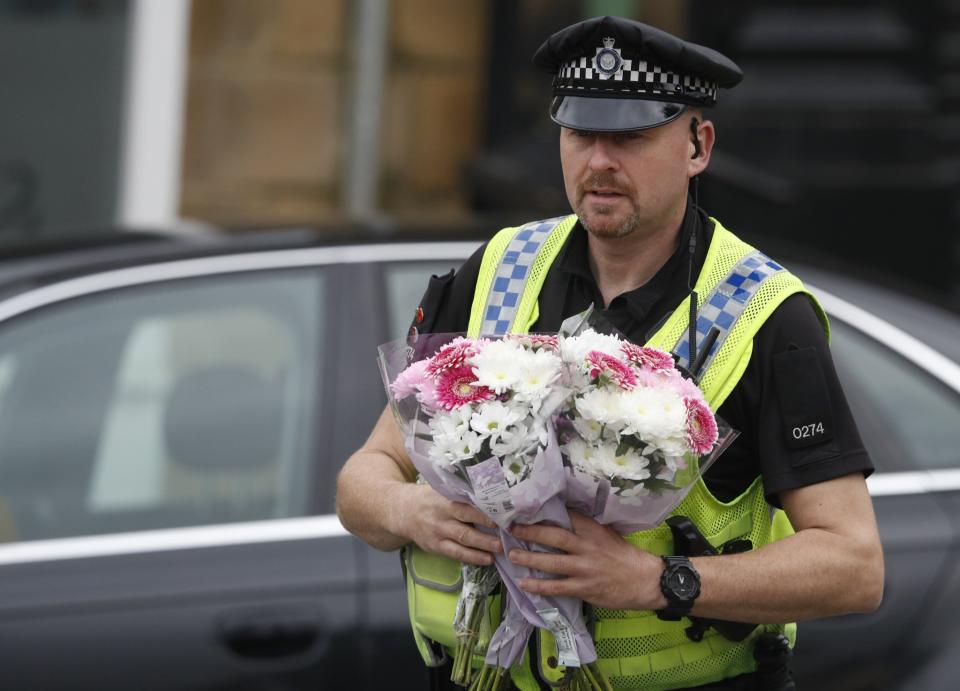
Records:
x=908, y=417
x=160, y=429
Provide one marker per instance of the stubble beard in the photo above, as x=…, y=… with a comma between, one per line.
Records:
x=594, y=224
x=597, y=221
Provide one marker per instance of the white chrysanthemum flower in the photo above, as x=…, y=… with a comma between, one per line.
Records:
x=539, y=429
x=579, y=452
x=637, y=491
x=493, y=418
x=511, y=440
x=588, y=429
x=514, y=469
x=538, y=370
x=654, y=414
x=672, y=447
x=438, y=452
x=603, y=406
x=451, y=424
x=629, y=464
x=453, y=440
x=470, y=444
x=497, y=366
x=451, y=449
x=574, y=349
x=602, y=460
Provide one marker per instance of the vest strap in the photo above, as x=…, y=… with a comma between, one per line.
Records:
x=726, y=304
x=512, y=274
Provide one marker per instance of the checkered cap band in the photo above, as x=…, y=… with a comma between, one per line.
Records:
x=726, y=303
x=512, y=274
x=634, y=77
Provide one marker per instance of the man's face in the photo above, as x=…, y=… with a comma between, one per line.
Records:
x=621, y=182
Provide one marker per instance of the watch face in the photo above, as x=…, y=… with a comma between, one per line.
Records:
x=683, y=582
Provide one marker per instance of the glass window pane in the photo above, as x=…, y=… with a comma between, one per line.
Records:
x=406, y=284
x=907, y=418
x=171, y=404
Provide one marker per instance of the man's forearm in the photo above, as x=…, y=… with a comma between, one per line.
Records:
x=832, y=565
x=812, y=574
x=369, y=495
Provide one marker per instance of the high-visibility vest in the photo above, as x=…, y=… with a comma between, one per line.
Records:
x=738, y=289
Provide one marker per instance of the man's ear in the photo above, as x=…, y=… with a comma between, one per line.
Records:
x=702, y=138
x=695, y=136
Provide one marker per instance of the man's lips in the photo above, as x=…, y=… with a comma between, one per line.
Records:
x=603, y=193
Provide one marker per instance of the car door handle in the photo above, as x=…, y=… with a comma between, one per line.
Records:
x=265, y=634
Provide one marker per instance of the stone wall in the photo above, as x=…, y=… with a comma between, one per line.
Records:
x=265, y=110
x=268, y=108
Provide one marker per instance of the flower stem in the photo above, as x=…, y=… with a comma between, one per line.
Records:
x=490, y=678
x=596, y=678
x=463, y=672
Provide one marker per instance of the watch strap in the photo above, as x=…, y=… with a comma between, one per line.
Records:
x=677, y=607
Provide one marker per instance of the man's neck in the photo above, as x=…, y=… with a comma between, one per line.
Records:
x=620, y=265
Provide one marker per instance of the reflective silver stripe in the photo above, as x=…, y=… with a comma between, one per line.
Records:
x=933, y=362
x=228, y=263
x=328, y=526
x=915, y=482
x=726, y=303
x=254, y=532
x=512, y=274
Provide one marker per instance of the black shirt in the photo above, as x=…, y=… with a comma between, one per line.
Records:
x=795, y=426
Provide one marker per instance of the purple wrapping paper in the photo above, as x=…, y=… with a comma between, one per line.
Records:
x=592, y=497
x=538, y=499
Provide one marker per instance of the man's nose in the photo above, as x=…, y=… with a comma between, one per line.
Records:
x=602, y=155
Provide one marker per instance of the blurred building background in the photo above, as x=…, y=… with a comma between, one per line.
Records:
x=842, y=143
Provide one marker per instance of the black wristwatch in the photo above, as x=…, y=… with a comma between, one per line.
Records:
x=680, y=584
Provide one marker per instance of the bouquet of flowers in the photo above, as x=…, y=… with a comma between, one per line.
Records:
x=477, y=416
x=636, y=435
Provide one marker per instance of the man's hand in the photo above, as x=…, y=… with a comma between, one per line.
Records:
x=378, y=502
x=442, y=526
x=597, y=566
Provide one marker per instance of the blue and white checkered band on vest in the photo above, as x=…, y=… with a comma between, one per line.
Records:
x=726, y=303
x=512, y=275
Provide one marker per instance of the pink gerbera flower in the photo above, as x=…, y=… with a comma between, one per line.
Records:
x=538, y=341
x=701, y=426
x=647, y=358
x=409, y=380
x=458, y=387
x=452, y=355
x=618, y=372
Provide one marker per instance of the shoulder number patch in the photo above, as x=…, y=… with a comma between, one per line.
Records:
x=808, y=431
x=806, y=413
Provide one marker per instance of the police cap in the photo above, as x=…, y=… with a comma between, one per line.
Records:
x=613, y=74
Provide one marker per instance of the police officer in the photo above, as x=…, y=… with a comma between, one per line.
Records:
x=630, y=100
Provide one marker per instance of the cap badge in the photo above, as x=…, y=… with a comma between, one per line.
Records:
x=608, y=60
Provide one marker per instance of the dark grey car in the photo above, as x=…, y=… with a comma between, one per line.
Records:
x=173, y=415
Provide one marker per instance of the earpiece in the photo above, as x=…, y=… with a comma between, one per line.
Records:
x=694, y=124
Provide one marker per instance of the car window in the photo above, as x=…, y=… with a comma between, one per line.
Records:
x=171, y=404
x=908, y=419
x=406, y=284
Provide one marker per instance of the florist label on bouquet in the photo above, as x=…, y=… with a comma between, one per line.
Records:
x=563, y=634
x=492, y=493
